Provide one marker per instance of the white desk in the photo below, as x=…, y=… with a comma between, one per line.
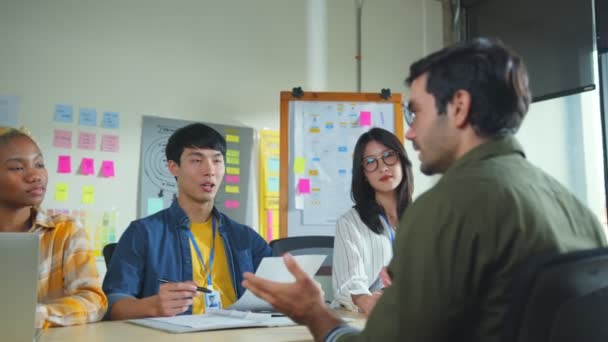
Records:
x=122, y=331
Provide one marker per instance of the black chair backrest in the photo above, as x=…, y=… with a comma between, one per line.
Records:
x=554, y=298
x=108, y=250
x=306, y=245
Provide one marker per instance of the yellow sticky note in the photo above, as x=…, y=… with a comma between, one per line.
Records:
x=232, y=160
x=88, y=194
x=61, y=192
x=232, y=138
x=313, y=172
x=233, y=171
x=299, y=165
x=232, y=189
x=233, y=153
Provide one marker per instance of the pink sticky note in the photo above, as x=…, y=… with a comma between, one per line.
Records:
x=87, y=166
x=304, y=186
x=234, y=179
x=107, y=168
x=64, y=164
x=231, y=204
x=86, y=141
x=109, y=143
x=62, y=138
x=365, y=119
x=268, y=225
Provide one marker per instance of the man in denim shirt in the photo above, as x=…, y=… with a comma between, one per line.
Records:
x=191, y=243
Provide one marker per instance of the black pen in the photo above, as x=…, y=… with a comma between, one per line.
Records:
x=202, y=289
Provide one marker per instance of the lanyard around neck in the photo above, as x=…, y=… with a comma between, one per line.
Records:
x=391, y=234
x=200, y=255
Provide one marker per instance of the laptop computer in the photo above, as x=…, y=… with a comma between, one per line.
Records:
x=19, y=253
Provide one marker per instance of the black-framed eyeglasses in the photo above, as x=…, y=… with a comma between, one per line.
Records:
x=408, y=115
x=370, y=163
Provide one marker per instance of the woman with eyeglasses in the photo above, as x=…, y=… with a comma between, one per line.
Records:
x=381, y=189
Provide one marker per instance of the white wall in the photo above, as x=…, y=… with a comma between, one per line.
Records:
x=216, y=61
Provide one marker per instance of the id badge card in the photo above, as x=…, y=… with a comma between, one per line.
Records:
x=213, y=300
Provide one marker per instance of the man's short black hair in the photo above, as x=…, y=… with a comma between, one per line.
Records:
x=494, y=75
x=196, y=135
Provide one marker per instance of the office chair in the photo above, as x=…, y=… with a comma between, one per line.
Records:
x=560, y=298
x=107, y=251
x=307, y=245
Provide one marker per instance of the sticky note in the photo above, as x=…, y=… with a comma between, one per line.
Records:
x=232, y=204
x=87, y=117
x=365, y=119
x=233, y=153
x=233, y=179
x=110, y=120
x=61, y=192
x=232, y=189
x=107, y=168
x=109, y=143
x=231, y=138
x=232, y=160
x=155, y=204
x=64, y=113
x=299, y=165
x=233, y=171
x=62, y=138
x=88, y=194
x=269, y=225
x=313, y=172
x=64, y=164
x=272, y=184
x=273, y=164
x=304, y=186
x=86, y=141
x=87, y=166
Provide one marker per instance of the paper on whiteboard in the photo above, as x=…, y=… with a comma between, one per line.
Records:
x=273, y=268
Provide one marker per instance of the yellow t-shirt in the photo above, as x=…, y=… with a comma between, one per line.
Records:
x=220, y=272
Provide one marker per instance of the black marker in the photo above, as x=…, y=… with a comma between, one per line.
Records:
x=202, y=289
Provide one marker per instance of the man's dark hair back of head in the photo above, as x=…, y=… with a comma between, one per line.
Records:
x=493, y=74
x=196, y=135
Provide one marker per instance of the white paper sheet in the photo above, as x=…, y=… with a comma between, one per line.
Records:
x=273, y=268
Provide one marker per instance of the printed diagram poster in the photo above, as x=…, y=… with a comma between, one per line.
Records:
x=325, y=134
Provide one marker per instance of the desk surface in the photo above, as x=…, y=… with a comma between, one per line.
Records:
x=122, y=331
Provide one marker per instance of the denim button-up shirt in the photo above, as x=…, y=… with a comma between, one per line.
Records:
x=158, y=246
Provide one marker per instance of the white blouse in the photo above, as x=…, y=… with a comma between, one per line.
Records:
x=359, y=255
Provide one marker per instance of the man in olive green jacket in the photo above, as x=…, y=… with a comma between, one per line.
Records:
x=458, y=244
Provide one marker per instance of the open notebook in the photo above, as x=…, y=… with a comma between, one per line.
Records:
x=239, y=314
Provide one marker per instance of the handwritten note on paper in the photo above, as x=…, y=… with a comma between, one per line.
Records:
x=61, y=192
x=232, y=189
x=62, y=138
x=231, y=138
x=232, y=204
x=64, y=164
x=86, y=141
x=299, y=165
x=233, y=171
x=234, y=179
x=107, y=168
x=110, y=120
x=365, y=119
x=87, y=117
x=304, y=186
x=272, y=184
x=87, y=166
x=155, y=204
x=88, y=194
x=109, y=143
x=64, y=113
x=273, y=164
